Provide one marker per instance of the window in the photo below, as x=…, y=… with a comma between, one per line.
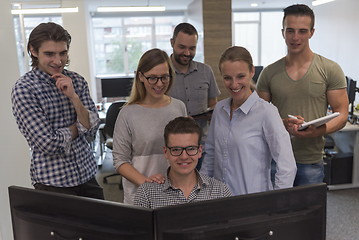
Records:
x=23, y=27
x=260, y=33
x=121, y=41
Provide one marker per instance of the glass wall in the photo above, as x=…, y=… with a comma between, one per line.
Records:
x=119, y=42
x=260, y=33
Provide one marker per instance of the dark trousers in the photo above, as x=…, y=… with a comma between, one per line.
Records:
x=89, y=189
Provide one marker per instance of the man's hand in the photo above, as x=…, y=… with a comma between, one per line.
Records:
x=64, y=84
x=292, y=125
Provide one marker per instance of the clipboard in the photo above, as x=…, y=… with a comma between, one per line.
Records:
x=319, y=121
x=207, y=111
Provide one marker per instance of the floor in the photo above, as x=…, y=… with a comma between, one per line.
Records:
x=342, y=205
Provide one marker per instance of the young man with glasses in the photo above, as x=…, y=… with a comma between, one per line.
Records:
x=183, y=183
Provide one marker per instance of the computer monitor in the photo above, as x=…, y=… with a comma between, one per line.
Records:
x=351, y=89
x=116, y=87
x=42, y=215
x=257, y=71
x=295, y=213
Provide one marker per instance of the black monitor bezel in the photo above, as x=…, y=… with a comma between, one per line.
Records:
x=116, y=87
x=65, y=215
x=229, y=216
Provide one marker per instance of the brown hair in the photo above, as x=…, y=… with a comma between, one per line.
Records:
x=46, y=32
x=185, y=28
x=299, y=10
x=182, y=125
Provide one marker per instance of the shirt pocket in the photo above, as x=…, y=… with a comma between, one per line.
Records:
x=201, y=92
x=317, y=88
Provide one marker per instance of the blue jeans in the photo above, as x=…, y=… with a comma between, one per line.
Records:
x=309, y=173
x=306, y=173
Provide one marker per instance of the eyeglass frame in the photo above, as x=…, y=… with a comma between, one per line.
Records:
x=167, y=76
x=184, y=148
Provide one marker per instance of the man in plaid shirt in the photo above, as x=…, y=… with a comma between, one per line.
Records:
x=55, y=113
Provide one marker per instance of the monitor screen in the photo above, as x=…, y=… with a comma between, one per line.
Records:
x=351, y=87
x=47, y=216
x=295, y=213
x=116, y=87
x=257, y=71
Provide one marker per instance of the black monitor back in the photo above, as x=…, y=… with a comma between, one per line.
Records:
x=116, y=87
x=42, y=215
x=297, y=213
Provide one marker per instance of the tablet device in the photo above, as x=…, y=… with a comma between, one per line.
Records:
x=319, y=121
x=207, y=111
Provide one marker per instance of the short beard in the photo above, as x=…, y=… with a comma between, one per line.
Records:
x=177, y=58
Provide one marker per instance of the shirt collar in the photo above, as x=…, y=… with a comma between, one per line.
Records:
x=246, y=106
x=201, y=181
x=42, y=76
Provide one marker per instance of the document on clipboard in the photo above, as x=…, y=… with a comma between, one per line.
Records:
x=202, y=114
x=319, y=121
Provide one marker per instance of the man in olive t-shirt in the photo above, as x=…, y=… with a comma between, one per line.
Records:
x=303, y=84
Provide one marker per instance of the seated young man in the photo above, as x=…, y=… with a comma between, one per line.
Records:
x=183, y=183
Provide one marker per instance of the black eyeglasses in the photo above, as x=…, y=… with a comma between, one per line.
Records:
x=154, y=79
x=177, y=151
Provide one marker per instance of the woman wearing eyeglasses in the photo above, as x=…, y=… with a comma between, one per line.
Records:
x=138, y=134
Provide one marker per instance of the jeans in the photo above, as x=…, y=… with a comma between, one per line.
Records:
x=306, y=173
x=309, y=173
x=89, y=189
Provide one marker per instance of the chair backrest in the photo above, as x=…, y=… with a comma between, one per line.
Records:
x=111, y=116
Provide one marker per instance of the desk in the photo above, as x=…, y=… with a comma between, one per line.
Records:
x=347, y=140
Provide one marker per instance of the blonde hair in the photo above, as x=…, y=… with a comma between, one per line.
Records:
x=149, y=60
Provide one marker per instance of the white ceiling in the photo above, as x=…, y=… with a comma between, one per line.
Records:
x=170, y=4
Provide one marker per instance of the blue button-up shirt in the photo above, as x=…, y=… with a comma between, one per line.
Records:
x=239, y=150
x=43, y=115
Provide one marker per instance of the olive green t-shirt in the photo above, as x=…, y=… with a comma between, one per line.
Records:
x=305, y=97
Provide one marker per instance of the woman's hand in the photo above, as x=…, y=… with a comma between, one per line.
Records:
x=157, y=178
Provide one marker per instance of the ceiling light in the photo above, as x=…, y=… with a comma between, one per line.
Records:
x=44, y=10
x=132, y=9
x=319, y=2
x=254, y=4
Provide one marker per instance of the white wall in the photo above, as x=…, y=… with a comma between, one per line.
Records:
x=336, y=35
x=14, y=162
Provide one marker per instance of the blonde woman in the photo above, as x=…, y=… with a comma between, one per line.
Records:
x=246, y=133
x=138, y=133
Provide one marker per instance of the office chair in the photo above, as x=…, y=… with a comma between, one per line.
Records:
x=108, y=128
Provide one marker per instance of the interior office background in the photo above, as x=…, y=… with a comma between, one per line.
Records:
x=335, y=36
